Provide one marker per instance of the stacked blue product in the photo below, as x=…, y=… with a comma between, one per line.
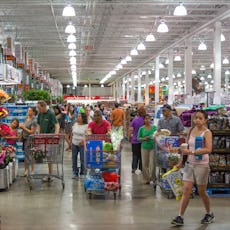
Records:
x=19, y=112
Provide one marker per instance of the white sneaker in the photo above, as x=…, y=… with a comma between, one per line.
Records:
x=138, y=172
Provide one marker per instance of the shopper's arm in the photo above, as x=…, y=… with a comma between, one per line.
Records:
x=39, y=129
x=57, y=128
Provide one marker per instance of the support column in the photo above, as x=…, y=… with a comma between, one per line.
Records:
x=139, y=99
x=157, y=79
x=188, y=67
x=123, y=88
x=127, y=89
x=90, y=91
x=147, y=88
x=170, y=76
x=217, y=63
x=132, y=88
x=114, y=92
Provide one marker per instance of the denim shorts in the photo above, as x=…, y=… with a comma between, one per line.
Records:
x=196, y=173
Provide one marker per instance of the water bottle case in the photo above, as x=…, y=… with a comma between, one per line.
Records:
x=199, y=143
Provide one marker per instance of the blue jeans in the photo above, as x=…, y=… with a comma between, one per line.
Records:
x=75, y=150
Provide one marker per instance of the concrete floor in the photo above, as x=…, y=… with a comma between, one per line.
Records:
x=49, y=207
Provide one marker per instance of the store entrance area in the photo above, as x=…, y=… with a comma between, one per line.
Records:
x=49, y=207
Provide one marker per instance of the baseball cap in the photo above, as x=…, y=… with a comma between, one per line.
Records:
x=166, y=106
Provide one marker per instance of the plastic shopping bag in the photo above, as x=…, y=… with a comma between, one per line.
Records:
x=174, y=178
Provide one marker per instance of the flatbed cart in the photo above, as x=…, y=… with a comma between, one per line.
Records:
x=46, y=149
x=103, y=167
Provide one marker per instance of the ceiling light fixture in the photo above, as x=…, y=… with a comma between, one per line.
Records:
x=227, y=72
x=119, y=66
x=102, y=86
x=72, y=46
x=202, y=67
x=212, y=65
x=202, y=46
x=150, y=38
x=68, y=11
x=179, y=75
x=161, y=66
x=128, y=58
x=73, y=67
x=73, y=62
x=85, y=86
x=202, y=78
x=193, y=71
x=180, y=10
x=113, y=72
x=71, y=38
x=123, y=61
x=134, y=52
x=177, y=58
x=72, y=59
x=222, y=37
x=225, y=61
x=162, y=28
x=209, y=76
x=167, y=61
x=72, y=53
x=141, y=46
x=70, y=29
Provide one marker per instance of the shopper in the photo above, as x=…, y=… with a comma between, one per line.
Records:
x=145, y=135
x=47, y=123
x=28, y=127
x=136, y=123
x=12, y=137
x=70, y=119
x=78, y=135
x=98, y=126
x=89, y=117
x=60, y=117
x=117, y=118
x=196, y=170
x=169, y=121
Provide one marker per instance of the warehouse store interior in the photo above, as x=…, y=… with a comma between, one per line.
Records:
x=137, y=53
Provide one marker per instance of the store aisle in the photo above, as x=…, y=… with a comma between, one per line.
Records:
x=48, y=207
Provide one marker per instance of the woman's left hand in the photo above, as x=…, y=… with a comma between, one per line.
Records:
x=186, y=151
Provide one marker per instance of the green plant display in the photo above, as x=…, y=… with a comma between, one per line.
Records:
x=36, y=95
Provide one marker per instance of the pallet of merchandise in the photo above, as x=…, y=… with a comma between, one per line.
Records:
x=218, y=192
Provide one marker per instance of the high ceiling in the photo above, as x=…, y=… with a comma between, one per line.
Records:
x=107, y=30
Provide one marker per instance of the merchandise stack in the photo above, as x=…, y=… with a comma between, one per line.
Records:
x=19, y=112
x=8, y=164
x=219, y=180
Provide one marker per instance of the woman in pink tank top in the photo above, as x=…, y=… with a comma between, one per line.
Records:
x=196, y=168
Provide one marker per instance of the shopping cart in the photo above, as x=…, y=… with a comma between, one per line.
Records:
x=167, y=155
x=46, y=149
x=102, y=166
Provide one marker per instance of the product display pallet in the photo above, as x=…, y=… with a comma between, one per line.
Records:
x=219, y=192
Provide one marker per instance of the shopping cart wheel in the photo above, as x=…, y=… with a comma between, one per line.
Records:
x=90, y=195
x=63, y=185
x=170, y=195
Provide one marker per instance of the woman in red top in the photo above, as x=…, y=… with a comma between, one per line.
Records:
x=98, y=126
x=11, y=139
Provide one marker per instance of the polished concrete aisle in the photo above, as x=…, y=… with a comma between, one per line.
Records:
x=49, y=207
